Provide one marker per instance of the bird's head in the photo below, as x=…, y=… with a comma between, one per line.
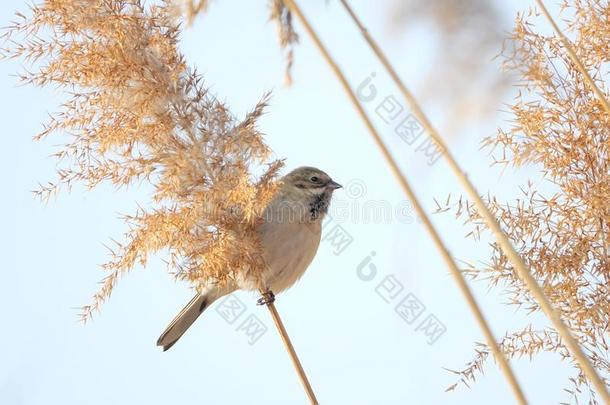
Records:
x=309, y=181
x=311, y=188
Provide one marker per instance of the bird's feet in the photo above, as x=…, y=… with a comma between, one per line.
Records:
x=266, y=298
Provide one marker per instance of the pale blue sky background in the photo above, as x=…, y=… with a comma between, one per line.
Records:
x=353, y=345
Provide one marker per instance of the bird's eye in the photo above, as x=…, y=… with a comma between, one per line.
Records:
x=314, y=179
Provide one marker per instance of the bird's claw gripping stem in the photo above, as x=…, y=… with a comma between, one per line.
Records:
x=266, y=298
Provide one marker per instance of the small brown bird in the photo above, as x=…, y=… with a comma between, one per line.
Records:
x=290, y=236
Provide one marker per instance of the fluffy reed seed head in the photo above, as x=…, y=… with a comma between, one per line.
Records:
x=560, y=127
x=136, y=112
x=278, y=13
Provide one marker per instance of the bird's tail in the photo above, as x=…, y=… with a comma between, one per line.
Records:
x=185, y=318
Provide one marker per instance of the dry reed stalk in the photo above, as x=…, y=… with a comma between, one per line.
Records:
x=269, y=300
x=570, y=50
x=490, y=220
x=559, y=126
x=137, y=113
x=402, y=180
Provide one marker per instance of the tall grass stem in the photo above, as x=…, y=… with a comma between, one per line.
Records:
x=490, y=220
x=405, y=185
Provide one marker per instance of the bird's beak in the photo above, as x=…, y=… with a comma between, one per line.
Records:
x=333, y=185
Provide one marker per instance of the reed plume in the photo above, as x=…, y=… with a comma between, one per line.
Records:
x=278, y=13
x=136, y=112
x=472, y=87
x=562, y=128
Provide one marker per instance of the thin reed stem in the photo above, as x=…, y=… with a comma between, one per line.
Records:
x=490, y=220
x=268, y=300
x=570, y=49
x=404, y=183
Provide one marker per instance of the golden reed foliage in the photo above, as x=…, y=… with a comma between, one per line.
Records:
x=287, y=36
x=561, y=127
x=471, y=87
x=136, y=112
x=189, y=8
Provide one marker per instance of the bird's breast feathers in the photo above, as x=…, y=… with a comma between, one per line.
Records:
x=289, y=248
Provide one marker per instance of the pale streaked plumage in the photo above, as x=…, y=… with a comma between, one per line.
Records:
x=290, y=235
